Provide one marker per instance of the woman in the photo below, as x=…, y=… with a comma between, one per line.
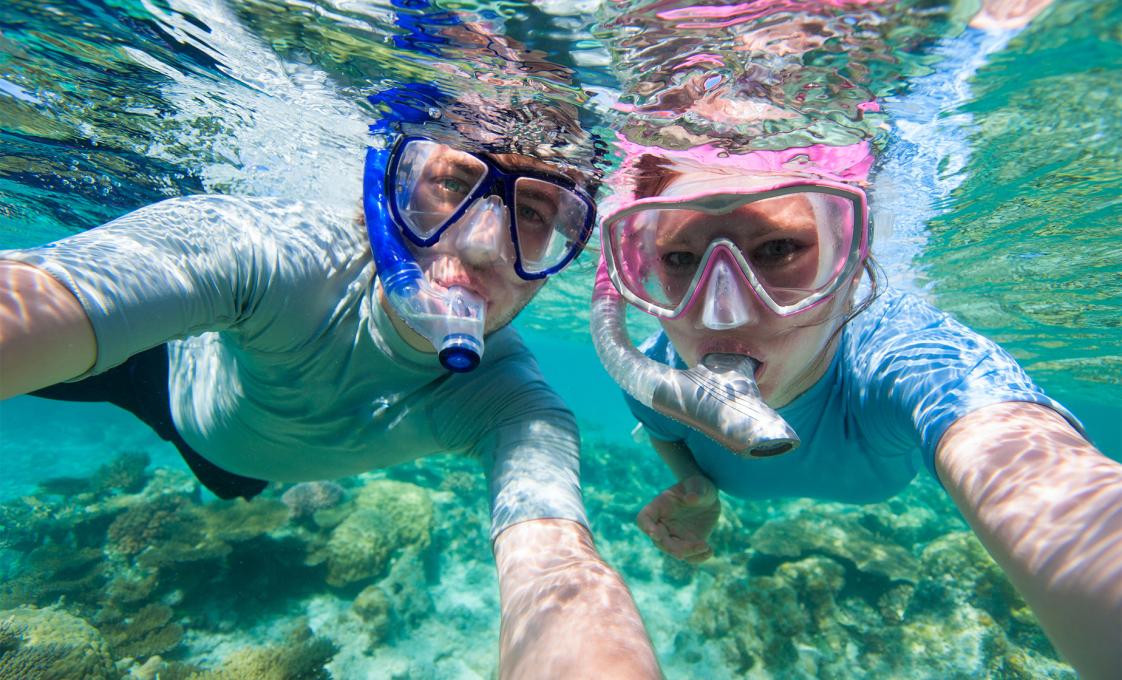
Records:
x=784, y=368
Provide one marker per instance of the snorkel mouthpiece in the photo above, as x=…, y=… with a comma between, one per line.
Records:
x=451, y=319
x=461, y=347
x=718, y=397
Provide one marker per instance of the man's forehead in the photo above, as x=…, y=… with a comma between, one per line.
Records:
x=517, y=161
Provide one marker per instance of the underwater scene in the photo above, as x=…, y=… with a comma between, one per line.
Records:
x=116, y=563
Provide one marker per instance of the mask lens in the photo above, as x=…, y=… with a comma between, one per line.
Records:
x=432, y=183
x=548, y=220
x=790, y=246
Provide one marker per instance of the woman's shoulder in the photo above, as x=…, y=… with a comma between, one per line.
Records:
x=894, y=314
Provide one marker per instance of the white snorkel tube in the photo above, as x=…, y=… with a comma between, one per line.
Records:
x=718, y=397
x=452, y=318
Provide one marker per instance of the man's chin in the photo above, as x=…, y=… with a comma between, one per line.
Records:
x=498, y=321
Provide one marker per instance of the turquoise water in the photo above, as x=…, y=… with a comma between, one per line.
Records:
x=1009, y=145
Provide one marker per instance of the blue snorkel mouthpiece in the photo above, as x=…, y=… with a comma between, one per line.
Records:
x=460, y=354
x=452, y=318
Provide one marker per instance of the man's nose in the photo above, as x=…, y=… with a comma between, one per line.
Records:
x=483, y=233
x=727, y=301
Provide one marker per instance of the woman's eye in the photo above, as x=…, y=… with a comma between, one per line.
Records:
x=777, y=252
x=679, y=259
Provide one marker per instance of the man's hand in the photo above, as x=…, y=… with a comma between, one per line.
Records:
x=680, y=519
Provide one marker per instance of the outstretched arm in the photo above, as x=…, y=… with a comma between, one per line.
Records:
x=1048, y=507
x=45, y=336
x=565, y=613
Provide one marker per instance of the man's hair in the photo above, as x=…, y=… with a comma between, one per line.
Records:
x=490, y=94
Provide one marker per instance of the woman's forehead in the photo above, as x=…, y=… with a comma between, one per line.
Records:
x=783, y=213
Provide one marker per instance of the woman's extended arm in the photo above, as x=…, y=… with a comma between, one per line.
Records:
x=45, y=336
x=565, y=613
x=1048, y=507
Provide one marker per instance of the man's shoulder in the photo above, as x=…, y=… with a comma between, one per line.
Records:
x=269, y=208
x=506, y=351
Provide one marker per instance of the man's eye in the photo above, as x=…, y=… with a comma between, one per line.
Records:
x=452, y=185
x=529, y=216
x=777, y=252
x=679, y=259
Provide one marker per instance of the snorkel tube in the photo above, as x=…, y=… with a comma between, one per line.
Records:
x=451, y=319
x=719, y=396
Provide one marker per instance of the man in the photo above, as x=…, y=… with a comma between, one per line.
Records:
x=277, y=340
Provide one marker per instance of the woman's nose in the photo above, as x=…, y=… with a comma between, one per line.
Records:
x=727, y=302
x=483, y=233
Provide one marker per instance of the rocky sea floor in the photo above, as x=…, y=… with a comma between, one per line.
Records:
x=130, y=573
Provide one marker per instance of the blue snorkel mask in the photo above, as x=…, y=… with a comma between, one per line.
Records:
x=418, y=188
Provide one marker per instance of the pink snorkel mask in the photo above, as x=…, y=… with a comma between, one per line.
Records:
x=789, y=226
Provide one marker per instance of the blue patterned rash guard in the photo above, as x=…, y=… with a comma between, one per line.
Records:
x=904, y=371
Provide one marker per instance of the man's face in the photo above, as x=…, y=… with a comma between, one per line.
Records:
x=476, y=252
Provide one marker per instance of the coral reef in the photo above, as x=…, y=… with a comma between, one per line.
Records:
x=818, y=594
x=145, y=633
x=842, y=538
x=127, y=473
x=388, y=517
x=302, y=657
x=153, y=522
x=395, y=569
x=49, y=644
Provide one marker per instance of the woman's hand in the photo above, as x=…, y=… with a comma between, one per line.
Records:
x=680, y=519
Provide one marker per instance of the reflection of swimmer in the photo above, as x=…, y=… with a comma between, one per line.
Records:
x=277, y=340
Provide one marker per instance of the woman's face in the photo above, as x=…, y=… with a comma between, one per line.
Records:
x=781, y=242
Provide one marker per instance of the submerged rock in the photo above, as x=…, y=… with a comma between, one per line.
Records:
x=373, y=606
x=307, y=498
